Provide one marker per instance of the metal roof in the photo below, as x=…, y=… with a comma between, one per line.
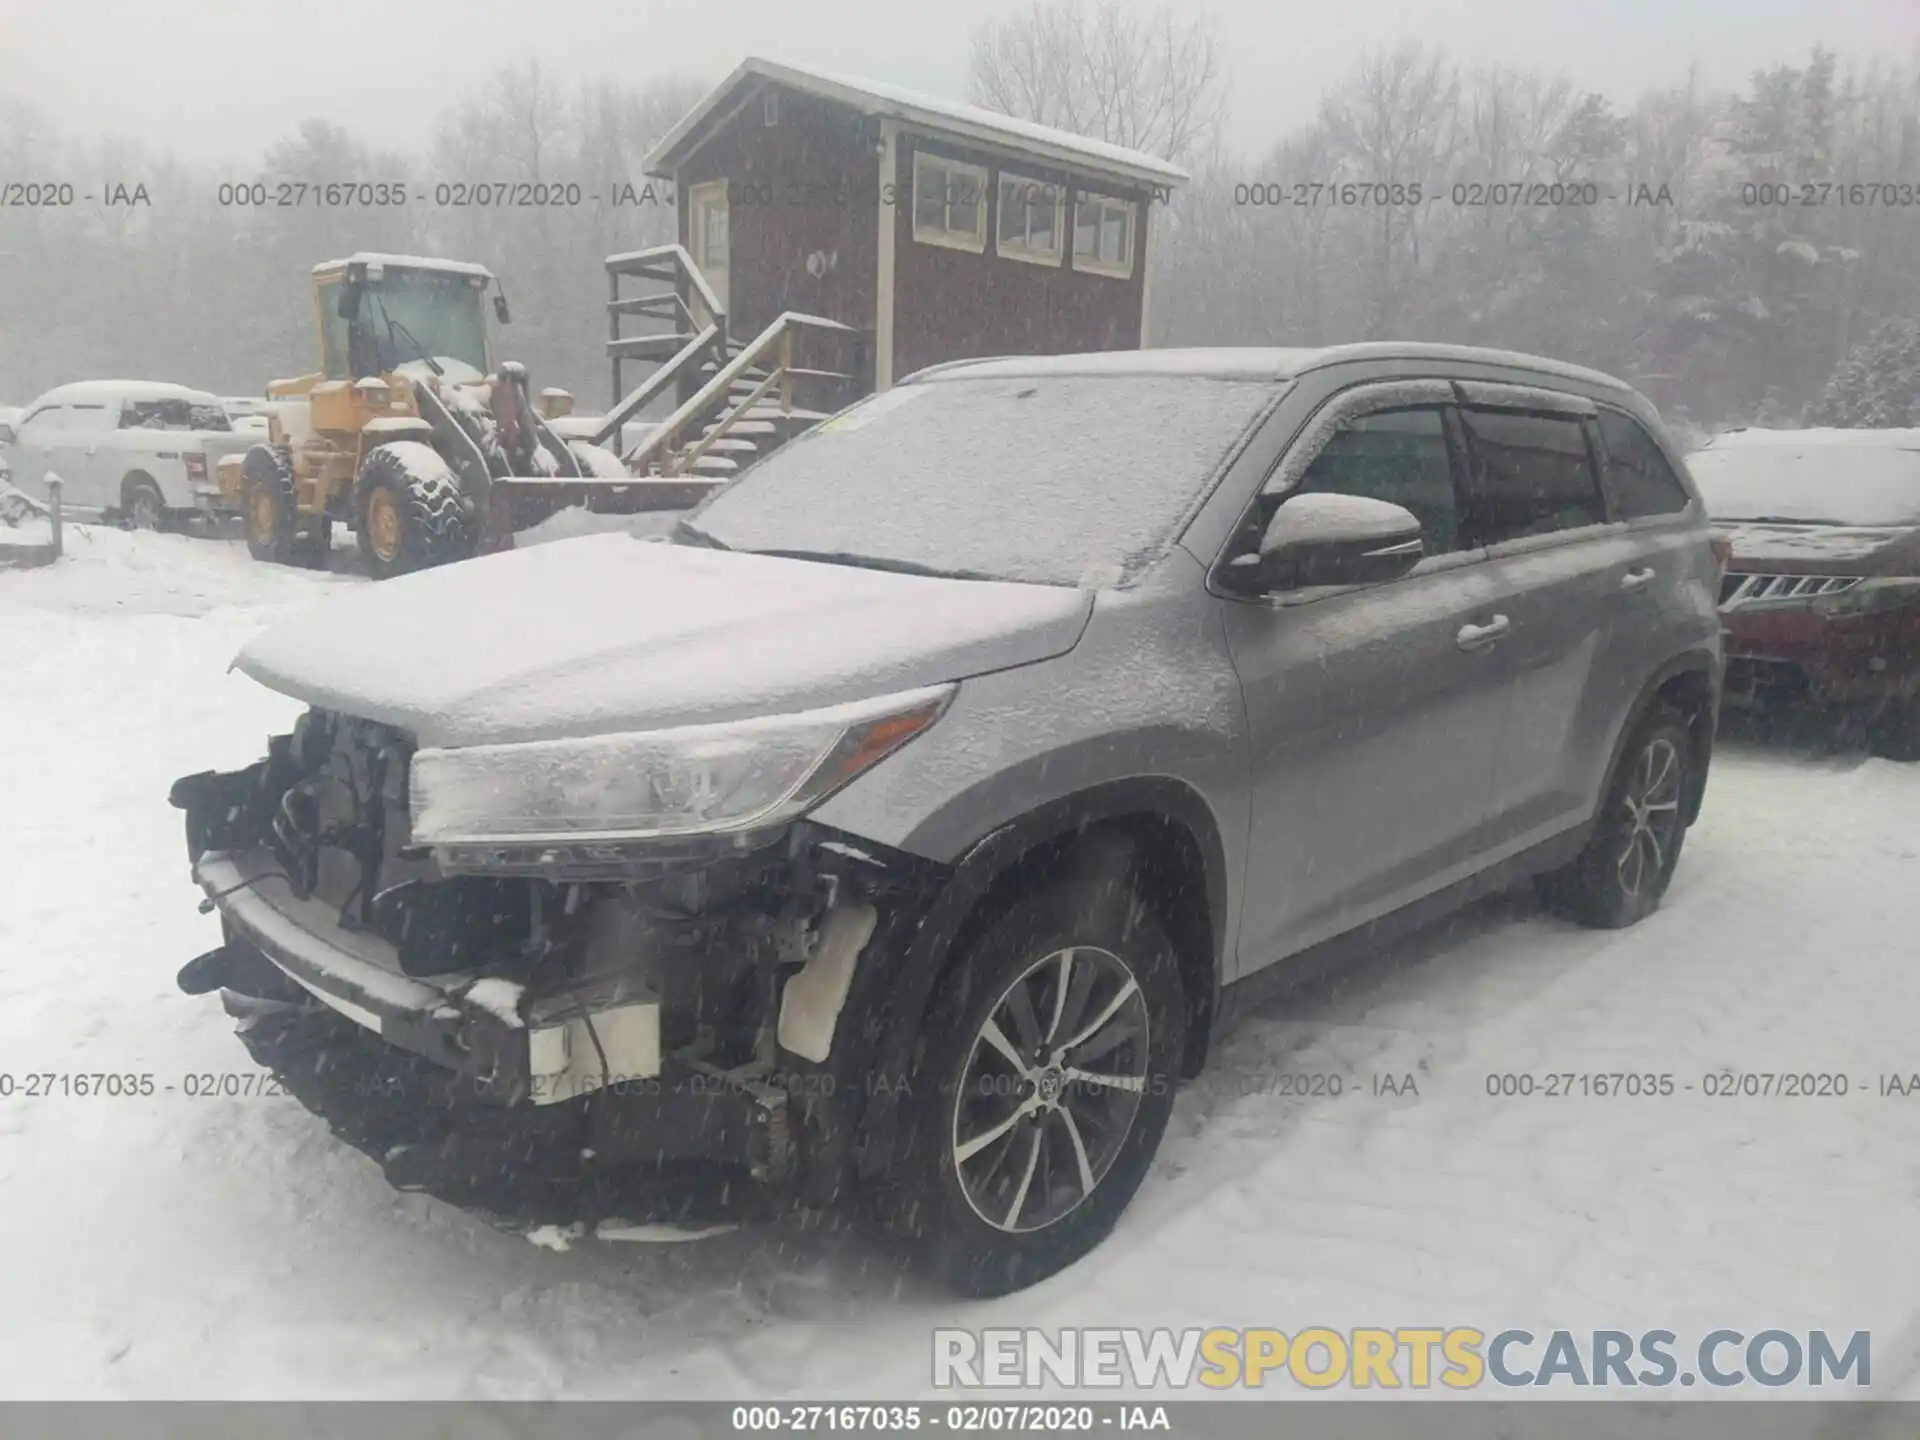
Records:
x=929, y=112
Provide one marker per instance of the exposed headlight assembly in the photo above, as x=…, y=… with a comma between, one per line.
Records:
x=592, y=797
x=1882, y=592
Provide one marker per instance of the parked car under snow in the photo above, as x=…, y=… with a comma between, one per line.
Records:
x=1822, y=598
x=901, y=833
x=139, y=451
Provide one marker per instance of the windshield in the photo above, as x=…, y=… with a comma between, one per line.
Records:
x=1812, y=484
x=1059, y=480
x=432, y=315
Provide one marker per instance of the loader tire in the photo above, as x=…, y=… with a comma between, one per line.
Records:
x=270, y=504
x=408, y=511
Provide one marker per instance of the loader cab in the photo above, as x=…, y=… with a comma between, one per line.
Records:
x=377, y=314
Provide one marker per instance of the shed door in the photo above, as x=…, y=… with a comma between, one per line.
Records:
x=709, y=235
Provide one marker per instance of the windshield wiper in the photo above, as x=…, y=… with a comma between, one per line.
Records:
x=874, y=562
x=685, y=532
x=396, y=329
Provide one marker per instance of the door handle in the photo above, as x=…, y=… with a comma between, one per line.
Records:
x=1637, y=579
x=1479, y=637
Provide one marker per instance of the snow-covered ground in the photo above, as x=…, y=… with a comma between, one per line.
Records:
x=175, y=1247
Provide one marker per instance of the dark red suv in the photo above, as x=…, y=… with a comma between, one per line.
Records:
x=1821, y=601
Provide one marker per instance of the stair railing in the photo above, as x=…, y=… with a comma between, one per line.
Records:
x=664, y=445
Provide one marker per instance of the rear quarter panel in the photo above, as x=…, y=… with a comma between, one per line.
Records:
x=158, y=453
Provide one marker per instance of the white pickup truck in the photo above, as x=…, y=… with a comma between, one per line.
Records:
x=135, y=450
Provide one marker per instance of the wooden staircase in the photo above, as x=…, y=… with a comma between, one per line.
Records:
x=738, y=400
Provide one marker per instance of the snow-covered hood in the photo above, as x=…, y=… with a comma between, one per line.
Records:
x=609, y=633
x=1828, y=549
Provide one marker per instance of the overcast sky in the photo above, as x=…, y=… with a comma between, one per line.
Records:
x=223, y=78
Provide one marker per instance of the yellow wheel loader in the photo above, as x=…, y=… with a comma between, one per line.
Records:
x=409, y=432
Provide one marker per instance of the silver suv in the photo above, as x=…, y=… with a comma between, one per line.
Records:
x=907, y=824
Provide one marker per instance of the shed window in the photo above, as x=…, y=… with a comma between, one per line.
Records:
x=1031, y=219
x=949, y=203
x=1103, y=235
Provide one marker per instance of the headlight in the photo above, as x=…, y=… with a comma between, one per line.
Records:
x=1884, y=592
x=660, y=784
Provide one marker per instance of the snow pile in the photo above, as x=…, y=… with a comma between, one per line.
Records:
x=17, y=507
x=576, y=520
x=26, y=534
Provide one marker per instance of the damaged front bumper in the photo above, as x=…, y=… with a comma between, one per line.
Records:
x=464, y=1022
x=448, y=1094
x=486, y=1077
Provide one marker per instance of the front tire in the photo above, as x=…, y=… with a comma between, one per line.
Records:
x=270, y=503
x=408, y=510
x=1049, y=1083
x=1623, y=871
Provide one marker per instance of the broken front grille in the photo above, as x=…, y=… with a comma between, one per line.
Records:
x=1743, y=588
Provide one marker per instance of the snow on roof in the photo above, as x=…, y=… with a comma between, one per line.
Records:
x=405, y=262
x=878, y=98
x=105, y=392
x=1252, y=363
x=1888, y=439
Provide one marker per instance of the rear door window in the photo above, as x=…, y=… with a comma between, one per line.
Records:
x=1531, y=474
x=1640, y=482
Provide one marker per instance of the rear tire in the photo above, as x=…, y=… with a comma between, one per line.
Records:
x=142, y=506
x=269, y=503
x=408, y=510
x=994, y=1190
x=1628, y=861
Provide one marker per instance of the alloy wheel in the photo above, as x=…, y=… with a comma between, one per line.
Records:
x=1050, y=1088
x=1652, y=803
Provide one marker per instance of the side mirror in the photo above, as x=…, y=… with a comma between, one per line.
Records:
x=1330, y=540
x=500, y=311
x=6, y=435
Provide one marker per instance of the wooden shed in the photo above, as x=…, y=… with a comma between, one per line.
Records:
x=938, y=231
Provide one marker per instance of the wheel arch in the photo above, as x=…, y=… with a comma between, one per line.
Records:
x=1690, y=682
x=136, y=477
x=1163, y=835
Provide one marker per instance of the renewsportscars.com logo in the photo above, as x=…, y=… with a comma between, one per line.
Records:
x=1367, y=1358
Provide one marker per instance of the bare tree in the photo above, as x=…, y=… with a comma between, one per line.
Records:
x=1150, y=82
x=1395, y=122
